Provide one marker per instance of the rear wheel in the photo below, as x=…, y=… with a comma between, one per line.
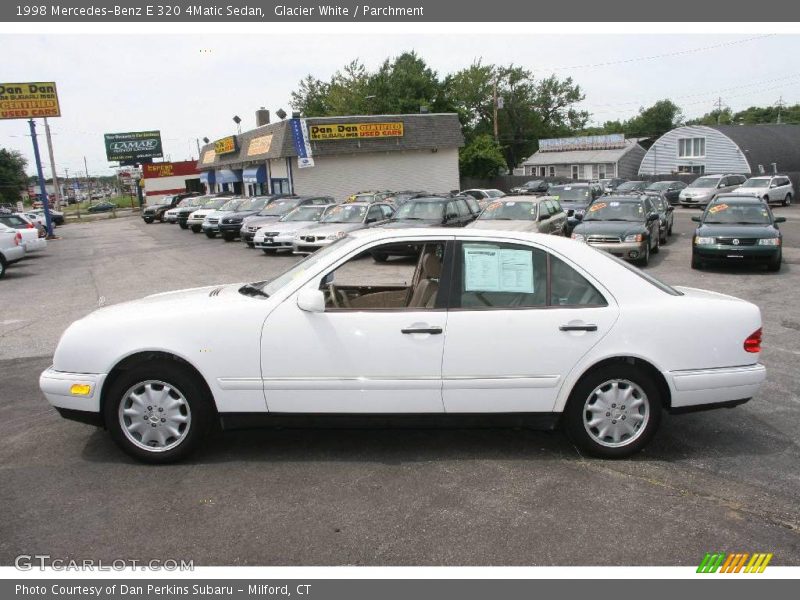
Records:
x=614, y=411
x=788, y=200
x=2, y=267
x=645, y=260
x=183, y=225
x=148, y=220
x=157, y=413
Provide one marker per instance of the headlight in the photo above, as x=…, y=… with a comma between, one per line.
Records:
x=578, y=237
x=704, y=241
x=636, y=237
x=337, y=235
x=769, y=242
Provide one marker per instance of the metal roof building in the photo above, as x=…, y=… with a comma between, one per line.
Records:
x=743, y=149
x=591, y=157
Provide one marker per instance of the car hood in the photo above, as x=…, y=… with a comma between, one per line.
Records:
x=281, y=227
x=502, y=225
x=203, y=212
x=256, y=219
x=696, y=192
x=566, y=205
x=750, y=191
x=330, y=228
x=243, y=214
x=745, y=231
x=620, y=228
x=409, y=224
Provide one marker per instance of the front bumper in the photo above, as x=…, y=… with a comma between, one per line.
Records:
x=702, y=201
x=172, y=218
x=274, y=243
x=306, y=247
x=753, y=253
x=714, y=388
x=210, y=227
x=626, y=250
x=57, y=388
x=233, y=228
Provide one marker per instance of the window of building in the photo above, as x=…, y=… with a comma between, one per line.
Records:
x=575, y=173
x=692, y=147
x=552, y=171
x=601, y=171
x=696, y=169
x=542, y=171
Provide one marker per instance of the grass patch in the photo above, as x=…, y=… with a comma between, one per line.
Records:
x=120, y=201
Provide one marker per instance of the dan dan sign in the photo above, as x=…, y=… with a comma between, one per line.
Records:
x=133, y=146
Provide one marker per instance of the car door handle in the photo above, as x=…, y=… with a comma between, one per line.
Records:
x=431, y=330
x=578, y=328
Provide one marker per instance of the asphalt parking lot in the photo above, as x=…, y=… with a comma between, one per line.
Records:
x=721, y=480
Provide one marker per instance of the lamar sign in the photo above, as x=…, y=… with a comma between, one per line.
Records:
x=29, y=100
x=133, y=146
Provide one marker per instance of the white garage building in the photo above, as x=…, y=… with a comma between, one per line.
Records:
x=338, y=156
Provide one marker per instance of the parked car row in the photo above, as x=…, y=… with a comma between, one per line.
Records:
x=21, y=234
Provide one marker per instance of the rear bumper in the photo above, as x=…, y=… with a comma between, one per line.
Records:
x=35, y=245
x=56, y=387
x=714, y=388
x=13, y=254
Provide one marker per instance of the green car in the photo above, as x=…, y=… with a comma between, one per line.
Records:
x=737, y=230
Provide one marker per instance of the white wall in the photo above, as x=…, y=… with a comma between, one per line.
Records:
x=340, y=176
x=722, y=154
x=169, y=185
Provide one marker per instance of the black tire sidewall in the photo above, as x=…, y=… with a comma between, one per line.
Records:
x=181, y=378
x=573, y=414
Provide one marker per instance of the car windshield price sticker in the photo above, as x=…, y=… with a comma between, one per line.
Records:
x=497, y=270
x=599, y=205
x=717, y=208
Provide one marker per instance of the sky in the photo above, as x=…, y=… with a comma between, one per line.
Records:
x=190, y=86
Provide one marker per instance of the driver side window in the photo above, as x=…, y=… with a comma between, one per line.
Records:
x=403, y=276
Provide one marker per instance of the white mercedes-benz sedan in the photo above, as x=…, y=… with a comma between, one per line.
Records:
x=473, y=327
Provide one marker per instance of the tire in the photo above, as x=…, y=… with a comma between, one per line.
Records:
x=196, y=228
x=2, y=267
x=589, y=417
x=696, y=262
x=380, y=257
x=766, y=200
x=669, y=231
x=663, y=239
x=183, y=226
x=788, y=200
x=210, y=235
x=228, y=237
x=268, y=251
x=774, y=265
x=191, y=420
x=148, y=220
x=657, y=246
x=250, y=244
x=645, y=260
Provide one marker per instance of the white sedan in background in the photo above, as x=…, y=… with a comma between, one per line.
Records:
x=567, y=335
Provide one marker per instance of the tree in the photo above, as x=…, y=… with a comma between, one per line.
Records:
x=405, y=84
x=655, y=120
x=482, y=157
x=12, y=175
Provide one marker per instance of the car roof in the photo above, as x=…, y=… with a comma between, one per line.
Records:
x=522, y=198
x=622, y=198
x=737, y=197
x=578, y=184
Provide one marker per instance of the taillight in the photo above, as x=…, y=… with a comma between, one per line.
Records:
x=753, y=342
x=30, y=225
x=17, y=239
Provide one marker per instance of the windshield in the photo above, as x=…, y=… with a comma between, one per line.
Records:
x=534, y=183
x=347, y=213
x=252, y=204
x=215, y=203
x=631, y=186
x=186, y=202
x=305, y=213
x=278, y=208
x=757, y=182
x=570, y=193
x=272, y=286
x=704, y=182
x=751, y=213
x=231, y=204
x=421, y=211
x=615, y=211
x=509, y=211
x=658, y=186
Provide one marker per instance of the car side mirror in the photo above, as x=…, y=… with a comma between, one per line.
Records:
x=670, y=208
x=696, y=219
x=578, y=216
x=652, y=217
x=370, y=220
x=311, y=300
x=543, y=217
x=780, y=219
x=450, y=216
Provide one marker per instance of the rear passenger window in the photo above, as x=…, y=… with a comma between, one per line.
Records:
x=570, y=288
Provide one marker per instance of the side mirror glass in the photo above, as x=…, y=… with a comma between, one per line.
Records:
x=311, y=300
x=696, y=219
x=780, y=219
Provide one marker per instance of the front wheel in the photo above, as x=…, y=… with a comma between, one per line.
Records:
x=157, y=413
x=788, y=200
x=774, y=264
x=183, y=225
x=696, y=263
x=2, y=267
x=613, y=412
x=228, y=237
x=196, y=228
x=148, y=220
x=645, y=260
x=210, y=235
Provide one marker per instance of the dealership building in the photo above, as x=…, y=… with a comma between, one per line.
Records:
x=336, y=156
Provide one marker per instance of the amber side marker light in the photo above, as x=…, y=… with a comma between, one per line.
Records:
x=753, y=342
x=80, y=389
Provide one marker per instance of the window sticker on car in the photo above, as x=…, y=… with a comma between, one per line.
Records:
x=489, y=269
x=567, y=187
x=613, y=204
x=718, y=208
x=511, y=203
x=598, y=206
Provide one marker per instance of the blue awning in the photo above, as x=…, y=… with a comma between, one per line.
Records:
x=255, y=174
x=228, y=176
x=207, y=177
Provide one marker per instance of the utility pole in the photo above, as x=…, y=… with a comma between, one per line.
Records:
x=779, y=104
x=42, y=189
x=88, y=181
x=56, y=187
x=719, y=109
x=494, y=104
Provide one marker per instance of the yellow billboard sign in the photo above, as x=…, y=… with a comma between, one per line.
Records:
x=209, y=156
x=259, y=145
x=226, y=145
x=344, y=131
x=29, y=100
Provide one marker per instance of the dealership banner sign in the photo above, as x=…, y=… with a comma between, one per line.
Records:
x=133, y=146
x=345, y=131
x=301, y=144
x=226, y=145
x=29, y=100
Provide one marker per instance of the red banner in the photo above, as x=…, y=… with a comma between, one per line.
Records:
x=169, y=169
